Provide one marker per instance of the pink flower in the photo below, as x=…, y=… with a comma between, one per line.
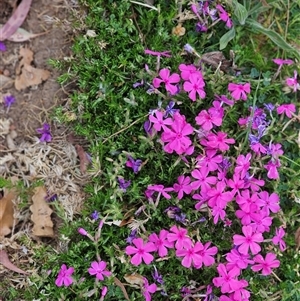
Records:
x=249, y=240
x=293, y=82
x=218, y=197
x=159, y=122
x=246, y=215
x=268, y=202
x=224, y=99
x=227, y=279
x=180, y=237
x=238, y=91
x=148, y=289
x=168, y=80
x=207, y=120
x=160, y=189
x=287, y=109
x=82, y=231
x=219, y=141
x=277, y=239
x=218, y=212
x=64, y=276
x=281, y=62
x=187, y=70
x=243, y=164
x=236, y=183
x=202, y=179
x=195, y=86
x=210, y=160
x=176, y=137
x=271, y=167
x=265, y=264
x=224, y=16
x=190, y=255
x=261, y=222
x=237, y=261
x=245, y=200
x=161, y=243
x=141, y=252
x=98, y=269
x=183, y=186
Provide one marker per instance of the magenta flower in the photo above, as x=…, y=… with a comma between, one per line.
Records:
x=160, y=189
x=239, y=91
x=224, y=16
x=287, y=109
x=237, y=261
x=246, y=215
x=207, y=120
x=236, y=183
x=168, y=80
x=271, y=167
x=218, y=197
x=207, y=254
x=210, y=160
x=293, y=82
x=187, y=70
x=141, y=251
x=183, y=186
x=195, y=86
x=161, y=242
x=148, y=289
x=249, y=240
x=98, y=269
x=190, y=255
x=176, y=138
x=277, y=239
x=219, y=141
x=82, y=231
x=227, y=279
x=202, y=179
x=243, y=164
x=268, y=202
x=159, y=122
x=64, y=276
x=261, y=222
x=265, y=264
x=245, y=200
x=281, y=62
x=180, y=237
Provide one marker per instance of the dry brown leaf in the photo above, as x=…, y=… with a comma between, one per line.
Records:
x=122, y=287
x=6, y=262
x=41, y=214
x=26, y=75
x=22, y=35
x=84, y=161
x=7, y=212
x=5, y=82
x=30, y=76
x=134, y=279
x=297, y=238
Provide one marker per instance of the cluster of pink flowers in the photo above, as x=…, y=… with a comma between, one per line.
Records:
x=193, y=81
x=215, y=182
x=194, y=253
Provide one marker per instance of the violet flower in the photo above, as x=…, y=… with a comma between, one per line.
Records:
x=132, y=236
x=2, y=47
x=46, y=134
x=134, y=164
x=8, y=101
x=123, y=184
x=95, y=215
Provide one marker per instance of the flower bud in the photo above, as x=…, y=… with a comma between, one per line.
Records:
x=82, y=231
x=104, y=291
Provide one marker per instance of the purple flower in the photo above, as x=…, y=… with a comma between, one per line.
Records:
x=169, y=109
x=95, y=215
x=201, y=27
x=188, y=48
x=8, y=100
x=134, y=164
x=45, y=131
x=123, y=184
x=131, y=237
x=2, y=47
x=157, y=277
x=51, y=197
x=269, y=106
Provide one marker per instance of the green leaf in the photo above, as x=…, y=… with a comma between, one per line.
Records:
x=272, y=35
x=240, y=12
x=226, y=38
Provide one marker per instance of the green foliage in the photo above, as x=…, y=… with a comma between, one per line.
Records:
x=110, y=114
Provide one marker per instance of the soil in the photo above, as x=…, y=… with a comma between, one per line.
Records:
x=34, y=104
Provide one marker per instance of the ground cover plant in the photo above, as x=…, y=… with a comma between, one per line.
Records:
x=196, y=153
